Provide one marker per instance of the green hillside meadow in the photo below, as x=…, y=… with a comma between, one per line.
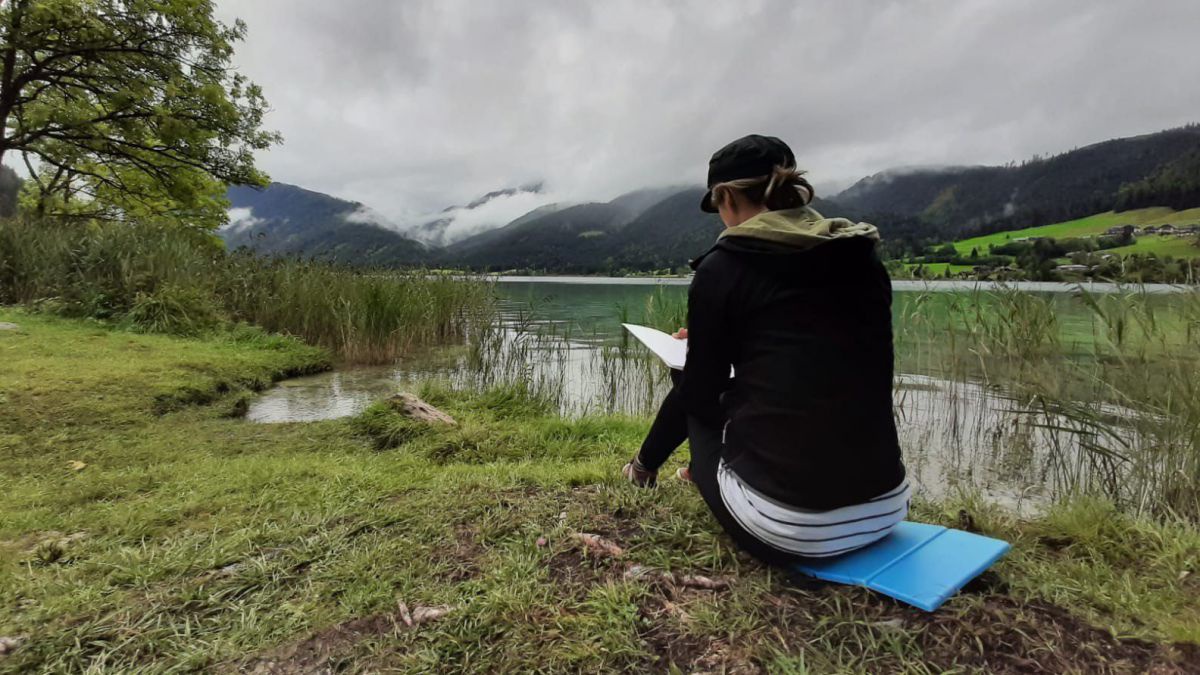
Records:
x=1097, y=225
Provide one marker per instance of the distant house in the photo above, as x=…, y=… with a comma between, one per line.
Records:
x=1166, y=229
x=1121, y=230
x=1150, y=229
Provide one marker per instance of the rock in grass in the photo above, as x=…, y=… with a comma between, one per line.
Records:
x=9, y=645
x=640, y=572
x=421, y=615
x=5, y=325
x=599, y=545
x=415, y=409
x=705, y=583
x=424, y=614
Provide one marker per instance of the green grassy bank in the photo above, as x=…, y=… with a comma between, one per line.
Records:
x=144, y=527
x=169, y=280
x=1098, y=224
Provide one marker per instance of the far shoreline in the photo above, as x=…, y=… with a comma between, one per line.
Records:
x=951, y=285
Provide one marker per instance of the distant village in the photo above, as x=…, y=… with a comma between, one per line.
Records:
x=1051, y=258
x=1130, y=232
x=1134, y=231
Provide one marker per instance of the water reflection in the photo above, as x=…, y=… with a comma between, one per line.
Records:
x=566, y=342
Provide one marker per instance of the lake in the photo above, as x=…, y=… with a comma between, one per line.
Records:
x=563, y=334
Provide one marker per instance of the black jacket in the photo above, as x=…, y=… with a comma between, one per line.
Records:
x=808, y=416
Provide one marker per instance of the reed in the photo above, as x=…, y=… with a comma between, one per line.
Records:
x=174, y=281
x=995, y=392
x=1108, y=407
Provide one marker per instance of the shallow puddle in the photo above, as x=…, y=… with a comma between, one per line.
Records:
x=339, y=393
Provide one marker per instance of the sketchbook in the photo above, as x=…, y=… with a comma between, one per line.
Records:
x=672, y=351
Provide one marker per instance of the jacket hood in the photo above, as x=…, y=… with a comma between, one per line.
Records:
x=799, y=229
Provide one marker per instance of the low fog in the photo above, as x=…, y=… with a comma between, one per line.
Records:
x=411, y=107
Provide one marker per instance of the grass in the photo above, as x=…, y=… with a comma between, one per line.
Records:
x=933, y=270
x=1109, y=398
x=1098, y=224
x=1162, y=246
x=173, y=538
x=181, y=282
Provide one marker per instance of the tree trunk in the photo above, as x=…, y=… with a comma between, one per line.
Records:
x=8, y=66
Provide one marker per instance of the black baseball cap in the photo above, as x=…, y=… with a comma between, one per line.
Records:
x=747, y=157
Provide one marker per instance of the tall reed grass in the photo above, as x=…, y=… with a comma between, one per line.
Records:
x=1112, y=404
x=996, y=390
x=182, y=282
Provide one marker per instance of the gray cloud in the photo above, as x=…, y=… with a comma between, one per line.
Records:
x=410, y=106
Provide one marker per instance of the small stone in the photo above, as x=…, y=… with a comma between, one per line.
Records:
x=599, y=545
x=414, y=408
x=889, y=625
x=5, y=325
x=9, y=645
x=426, y=614
x=706, y=583
x=229, y=570
x=637, y=572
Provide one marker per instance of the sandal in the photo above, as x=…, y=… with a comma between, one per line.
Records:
x=640, y=476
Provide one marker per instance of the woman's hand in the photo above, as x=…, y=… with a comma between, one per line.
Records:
x=680, y=334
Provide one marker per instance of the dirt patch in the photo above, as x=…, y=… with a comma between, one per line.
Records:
x=677, y=652
x=317, y=654
x=996, y=634
x=325, y=651
x=574, y=572
x=462, y=558
x=665, y=611
x=1003, y=635
x=620, y=527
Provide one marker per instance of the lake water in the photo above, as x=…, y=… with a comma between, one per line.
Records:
x=564, y=334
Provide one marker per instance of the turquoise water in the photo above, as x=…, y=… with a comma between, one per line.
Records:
x=567, y=339
x=573, y=319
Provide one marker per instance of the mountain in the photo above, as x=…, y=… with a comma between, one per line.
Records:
x=663, y=228
x=581, y=238
x=668, y=234
x=284, y=219
x=572, y=239
x=953, y=202
x=437, y=232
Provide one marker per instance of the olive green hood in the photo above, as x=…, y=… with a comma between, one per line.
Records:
x=802, y=228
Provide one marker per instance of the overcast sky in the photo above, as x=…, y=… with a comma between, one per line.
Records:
x=410, y=106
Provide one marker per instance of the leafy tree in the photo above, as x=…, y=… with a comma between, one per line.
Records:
x=127, y=108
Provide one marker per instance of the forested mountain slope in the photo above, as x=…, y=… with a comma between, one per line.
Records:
x=662, y=228
x=288, y=220
x=1158, y=169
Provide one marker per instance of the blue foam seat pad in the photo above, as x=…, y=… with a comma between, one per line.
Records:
x=923, y=565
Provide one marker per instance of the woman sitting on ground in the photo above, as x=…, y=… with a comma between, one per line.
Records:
x=796, y=455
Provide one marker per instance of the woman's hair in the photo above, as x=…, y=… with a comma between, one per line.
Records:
x=783, y=188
